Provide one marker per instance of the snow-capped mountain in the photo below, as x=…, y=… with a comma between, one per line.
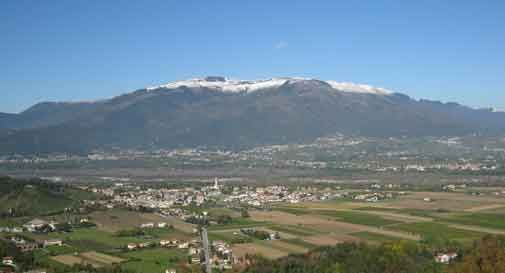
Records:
x=236, y=86
x=226, y=85
x=220, y=112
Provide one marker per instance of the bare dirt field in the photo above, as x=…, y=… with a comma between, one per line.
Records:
x=323, y=225
x=486, y=208
x=71, y=260
x=268, y=252
x=284, y=246
x=101, y=258
x=311, y=222
x=443, y=200
x=92, y=258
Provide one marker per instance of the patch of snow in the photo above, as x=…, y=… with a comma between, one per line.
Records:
x=358, y=88
x=227, y=85
x=238, y=86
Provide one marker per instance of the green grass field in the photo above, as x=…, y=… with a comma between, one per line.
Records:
x=238, y=223
x=413, y=212
x=434, y=229
x=374, y=237
x=486, y=220
x=229, y=237
x=359, y=218
x=153, y=260
x=13, y=222
x=93, y=239
x=292, y=210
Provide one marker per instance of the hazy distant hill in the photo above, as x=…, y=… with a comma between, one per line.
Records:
x=46, y=114
x=236, y=114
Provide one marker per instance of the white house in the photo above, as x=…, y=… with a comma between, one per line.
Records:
x=131, y=246
x=445, y=258
x=183, y=245
x=35, y=224
x=147, y=225
x=53, y=242
x=8, y=260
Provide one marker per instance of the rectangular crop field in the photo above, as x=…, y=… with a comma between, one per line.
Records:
x=153, y=260
x=434, y=229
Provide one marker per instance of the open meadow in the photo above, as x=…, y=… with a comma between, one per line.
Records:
x=92, y=258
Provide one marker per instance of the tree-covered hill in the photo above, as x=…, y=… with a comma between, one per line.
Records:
x=35, y=197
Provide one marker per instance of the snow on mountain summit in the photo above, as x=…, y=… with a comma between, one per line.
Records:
x=227, y=85
x=358, y=88
x=236, y=86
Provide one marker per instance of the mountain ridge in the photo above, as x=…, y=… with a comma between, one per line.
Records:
x=218, y=112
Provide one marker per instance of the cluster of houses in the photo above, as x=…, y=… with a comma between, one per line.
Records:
x=155, y=198
x=25, y=245
x=473, y=167
x=376, y=196
x=35, y=225
x=222, y=257
x=153, y=225
x=259, y=196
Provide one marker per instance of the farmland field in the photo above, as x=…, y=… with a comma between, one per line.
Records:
x=153, y=260
x=374, y=237
x=433, y=229
x=269, y=252
x=446, y=217
x=93, y=258
x=354, y=217
x=116, y=219
x=238, y=223
x=329, y=239
x=294, y=230
x=96, y=239
x=486, y=220
x=443, y=200
x=284, y=246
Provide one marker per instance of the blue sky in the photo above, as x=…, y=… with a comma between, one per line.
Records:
x=86, y=50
